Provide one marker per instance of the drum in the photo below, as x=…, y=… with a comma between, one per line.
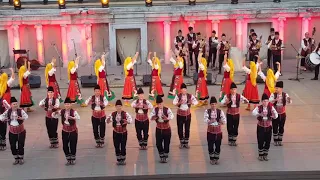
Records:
x=312, y=60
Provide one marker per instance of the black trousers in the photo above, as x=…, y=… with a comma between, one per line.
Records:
x=303, y=62
x=70, y=141
x=52, y=127
x=142, y=127
x=214, y=144
x=278, y=127
x=3, y=133
x=264, y=138
x=99, y=129
x=316, y=71
x=191, y=52
x=269, y=58
x=163, y=137
x=232, y=126
x=17, y=144
x=212, y=57
x=276, y=58
x=184, y=66
x=221, y=59
x=120, y=143
x=196, y=60
x=184, y=121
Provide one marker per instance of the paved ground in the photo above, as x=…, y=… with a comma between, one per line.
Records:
x=299, y=153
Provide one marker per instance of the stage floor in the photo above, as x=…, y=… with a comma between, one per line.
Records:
x=300, y=152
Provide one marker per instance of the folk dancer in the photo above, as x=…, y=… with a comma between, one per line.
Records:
x=51, y=81
x=307, y=47
x=26, y=96
x=213, y=44
x=4, y=105
x=223, y=47
x=316, y=72
x=130, y=88
x=69, y=118
x=141, y=123
x=214, y=117
x=202, y=93
x=227, y=77
x=198, y=46
x=98, y=104
x=270, y=38
x=162, y=116
x=15, y=117
x=5, y=85
x=119, y=120
x=276, y=46
x=184, y=101
x=254, y=47
x=191, y=37
x=251, y=88
x=232, y=101
x=264, y=113
x=182, y=51
x=179, y=38
x=177, y=78
x=99, y=68
x=74, y=93
x=156, y=85
x=279, y=99
x=270, y=80
x=50, y=105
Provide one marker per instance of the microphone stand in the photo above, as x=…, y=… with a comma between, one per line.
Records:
x=298, y=66
x=60, y=60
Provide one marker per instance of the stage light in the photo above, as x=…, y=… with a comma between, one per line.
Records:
x=234, y=1
x=62, y=4
x=17, y=4
x=105, y=3
x=192, y=2
x=45, y=2
x=276, y=1
x=148, y=3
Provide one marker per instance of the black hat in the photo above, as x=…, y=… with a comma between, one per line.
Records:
x=223, y=34
x=254, y=34
x=271, y=29
x=67, y=100
x=190, y=28
x=233, y=85
x=198, y=33
x=159, y=100
x=179, y=31
x=183, y=86
x=251, y=30
x=13, y=99
x=118, y=102
x=140, y=91
x=214, y=31
x=97, y=87
x=213, y=100
x=264, y=97
x=276, y=33
x=279, y=84
x=50, y=88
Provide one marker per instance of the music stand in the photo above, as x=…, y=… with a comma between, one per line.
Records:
x=18, y=51
x=298, y=66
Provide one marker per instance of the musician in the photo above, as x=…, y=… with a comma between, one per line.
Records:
x=26, y=96
x=270, y=80
x=250, y=34
x=179, y=38
x=156, y=85
x=202, y=93
x=276, y=45
x=254, y=46
x=74, y=92
x=5, y=85
x=213, y=44
x=177, y=77
x=15, y=117
x=98, y=104
x=264, y=113
x=270, y=38
x=130, y=88
x=184, y=101
x=316, y=72
x=223, y=47
x=214, y=117
x=99, y=67
x=307, y=46
x=4, y=105
x=69, y=118
x=228, y=74
x=181, y=50
x=50, y=105
x=191, y=37
x=199, y=46
x=51, y=78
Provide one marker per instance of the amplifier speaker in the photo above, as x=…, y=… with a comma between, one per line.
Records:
x=146, y=80
x=209, y=78
x=88, y=81
x=34, y=81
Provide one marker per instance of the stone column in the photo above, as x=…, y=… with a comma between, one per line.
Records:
x=88, y=41
x=167, y=41
x=215, y=26
x=305, y=26
x=16, y=39
x=64, y=44
x=239, y=37
x=191, y=24
x=281, y=27
x=40, y=48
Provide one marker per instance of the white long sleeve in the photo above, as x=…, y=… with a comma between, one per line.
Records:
x=226, y=67
x=52, y=71
x=97, y=108
x=26, y=74
x=6, y=105
x=222, y=118
x=10, y=82
x=134, y=104
x=74, y=69
x=150, y=62
x=101, y=68
x=43, y=102
x=261, y=74
x=246, y=70
x=173, y=61
x=303, y=46
x=256, y=113
x=170, y=114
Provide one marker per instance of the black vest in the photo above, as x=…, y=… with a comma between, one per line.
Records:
x=93, y=104
x=63, y=118
x=218, y=114
x=114, y=115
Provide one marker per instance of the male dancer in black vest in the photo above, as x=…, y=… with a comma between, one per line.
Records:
x=179, y=38
x=17, y=133
x=119, y=120
x=50, y=105
x=142, y=106
x=276, y=46
x=3, y=125
x=184, y=101
x=98, y=104
x=214, y=118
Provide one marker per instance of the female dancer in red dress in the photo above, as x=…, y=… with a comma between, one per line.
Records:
x=6, y=85
x=270, y=80
x=51, y=78
x=201, y=89
x=26, y=96
x=227, y=76
x=130, y=88
x=177, y=78
x=156, y=85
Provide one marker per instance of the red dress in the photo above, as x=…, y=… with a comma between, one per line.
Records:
x=226, y=83
x=177, y=80
x=74, y=89
x=251, y=92
x=266, y=90
x=156, y=85
x=104, y=86
x=26, y=96
x=53, y=83
x=129, y=86
x=202, y=87
x=7, y=95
